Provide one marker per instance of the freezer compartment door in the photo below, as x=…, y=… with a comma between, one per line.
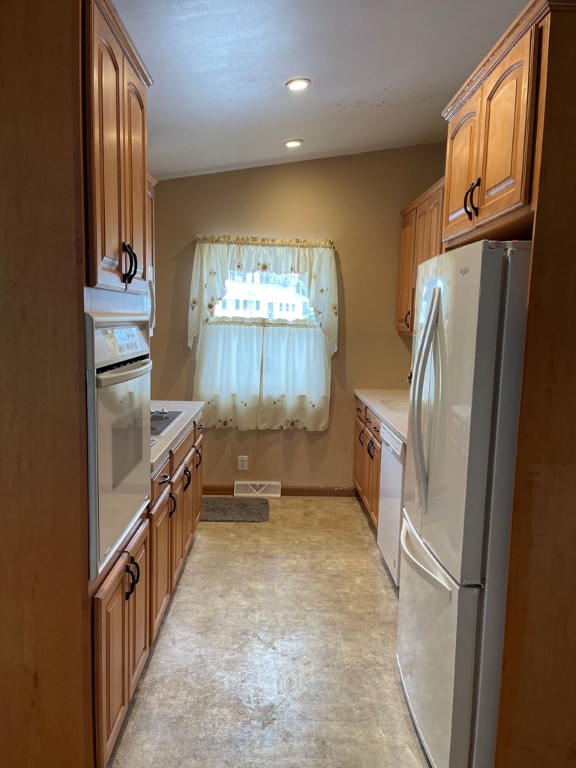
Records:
x=437, y=625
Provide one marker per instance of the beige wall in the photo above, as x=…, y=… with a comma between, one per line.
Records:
x=355, y=200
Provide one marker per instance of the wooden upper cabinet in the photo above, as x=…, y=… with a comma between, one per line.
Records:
x=106, y=259
x=422, y=246
x=435, y=221
x=488, y=155
x=508, y=113
x=118, y=250
x=136, y=176
x=420, y=240
x=463, y=132
x=406, y=272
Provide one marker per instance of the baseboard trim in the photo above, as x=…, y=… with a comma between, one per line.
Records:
x=287, y=490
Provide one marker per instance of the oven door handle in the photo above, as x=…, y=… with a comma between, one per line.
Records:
x=127, y=373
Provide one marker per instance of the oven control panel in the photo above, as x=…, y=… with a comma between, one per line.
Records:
x=115, y=339
x=123, y=341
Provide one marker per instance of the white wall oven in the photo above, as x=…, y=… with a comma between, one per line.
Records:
x=118, y=388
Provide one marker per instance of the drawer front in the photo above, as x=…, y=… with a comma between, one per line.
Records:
x=179, y=452
x=360, y=409
x=160, y=480
x=373, y=423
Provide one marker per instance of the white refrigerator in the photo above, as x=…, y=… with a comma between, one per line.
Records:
x=462, y=428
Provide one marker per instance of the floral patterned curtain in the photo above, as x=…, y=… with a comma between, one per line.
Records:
x=263, y=372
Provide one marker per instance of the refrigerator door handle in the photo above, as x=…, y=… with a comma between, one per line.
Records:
x=415, y=411
x=430, y=577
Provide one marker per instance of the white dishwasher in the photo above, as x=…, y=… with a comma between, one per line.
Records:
x=390, y=504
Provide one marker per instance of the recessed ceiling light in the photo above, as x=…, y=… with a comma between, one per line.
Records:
x=292, y=143
x=298, y=84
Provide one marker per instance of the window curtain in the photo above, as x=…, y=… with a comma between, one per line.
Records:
x=259, y=373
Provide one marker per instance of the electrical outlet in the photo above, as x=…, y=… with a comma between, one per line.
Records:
x=242, y=462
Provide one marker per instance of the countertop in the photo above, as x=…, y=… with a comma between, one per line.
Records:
x=376, y=399
x=176, y=431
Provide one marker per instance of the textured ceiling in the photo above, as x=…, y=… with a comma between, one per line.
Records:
x=381, y=71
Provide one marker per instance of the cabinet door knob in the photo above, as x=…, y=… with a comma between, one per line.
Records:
x=188, y=476
x=173, y=498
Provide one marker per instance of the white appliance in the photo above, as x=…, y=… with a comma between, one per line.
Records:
x=393, y=457
x=462, y=429
x=118, y=370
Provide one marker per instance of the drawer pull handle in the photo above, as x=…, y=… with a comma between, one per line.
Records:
x=173, y=498
x=132, y=586
x=472, y=188
x=136, y=565
x=467, y=210
x=164, y=478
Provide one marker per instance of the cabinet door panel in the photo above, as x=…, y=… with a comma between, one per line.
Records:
x=110, y=659
x=507, y=115
x=406, y=273
x=435, y=224
x=375, y=481
x=422, y=247
x=106, y=259
x=359, y=453
x=461, y=166
x=139, y=605
x=159, y=560
x=177, y=529
x=198, y=446
x=136, y=175
x=188, y=500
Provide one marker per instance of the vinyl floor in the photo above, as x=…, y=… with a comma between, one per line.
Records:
x=277, y=651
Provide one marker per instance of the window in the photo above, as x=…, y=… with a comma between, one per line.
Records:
x=263, y=320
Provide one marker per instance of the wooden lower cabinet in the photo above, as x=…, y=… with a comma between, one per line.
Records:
x=359, y=450
x=130, y=604
x=176, y=517
x=374, y=451
x=367, y=455
x=197, y=480
x=189, y=521
x=160, y=589
x=121, y=640
x=138, y=605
